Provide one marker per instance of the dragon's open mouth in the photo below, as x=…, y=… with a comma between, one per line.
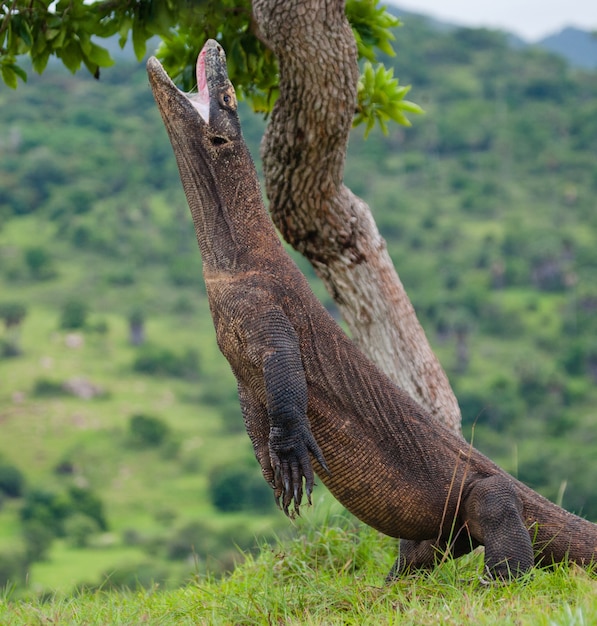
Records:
x=200, y=100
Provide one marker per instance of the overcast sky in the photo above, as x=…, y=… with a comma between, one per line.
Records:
x=530, y=19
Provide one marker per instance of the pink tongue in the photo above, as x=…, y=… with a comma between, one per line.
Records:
x=202, y=89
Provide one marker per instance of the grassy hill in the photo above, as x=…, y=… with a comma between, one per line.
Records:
x=331, y=575
x=123, y=456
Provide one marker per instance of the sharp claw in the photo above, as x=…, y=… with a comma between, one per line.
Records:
x=323, y=464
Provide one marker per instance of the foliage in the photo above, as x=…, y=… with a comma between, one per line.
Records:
x=79, y=528
x=86, y=502
x=39, y=263
x=12, y=480
x=46, y=387
x=12, y=313
x=239, y=487
x=38, y=539
x=47, y=508
x=45, y=515
x=69, y=30
x=380, y=99
x=74, y=314
x=13, y=569
x=147, y=431
x=145, y=574
x=50, y=509
x=159, y=361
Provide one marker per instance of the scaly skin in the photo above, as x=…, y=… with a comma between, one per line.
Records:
x=311, y=401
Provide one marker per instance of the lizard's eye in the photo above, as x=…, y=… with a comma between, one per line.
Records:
x=228, y=100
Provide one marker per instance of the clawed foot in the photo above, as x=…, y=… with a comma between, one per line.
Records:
x=289, y=455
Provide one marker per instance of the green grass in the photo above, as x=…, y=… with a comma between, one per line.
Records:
x=331, y=574
x=62, y=571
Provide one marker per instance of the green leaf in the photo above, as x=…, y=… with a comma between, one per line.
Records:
x=123, y=31
x=40, y=60
x=140, y=37
x=381, y=98
x=22, y=30
x=9, y=76
x=411, y=107
x=71, y=56
x=52, y=33
x=20, y=72
x=371, y=25
x=100, y=56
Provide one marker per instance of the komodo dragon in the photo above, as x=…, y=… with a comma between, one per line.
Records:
x=311, y=399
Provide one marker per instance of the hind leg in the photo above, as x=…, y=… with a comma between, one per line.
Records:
x=258, y=427
x=493, y=512
x=421, y=555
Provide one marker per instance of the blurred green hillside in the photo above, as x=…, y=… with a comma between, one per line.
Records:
x=123, y=457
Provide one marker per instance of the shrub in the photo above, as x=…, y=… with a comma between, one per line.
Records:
x=46, y=387
x=86, y=502
x=39, y=263
x=13, y=313
x=145, y=575
x=74, y=315
x=185, y=270
x=38, y=539
x=193, y=538
x=13, y=569
x=157, y=361
x=47, y=508
x=12, y=481
x=239, y=487
x=147, y=431
x=51, y=509
x=79, y=528
x=9, y=349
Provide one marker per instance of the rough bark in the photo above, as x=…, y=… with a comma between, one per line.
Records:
x=303, y=154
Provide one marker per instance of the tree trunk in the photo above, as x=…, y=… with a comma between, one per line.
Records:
x=303, y=154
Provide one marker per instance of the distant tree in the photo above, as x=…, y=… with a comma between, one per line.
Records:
x=48, y=508
x=137, y=327
x=13, y=569
x=12, y=480
x=159, y=361
x=39, y=263
x=38, y=539
x=13, y=314
x=147, y=431
x=238, y=487
x=462, y=325
x=79, y=528
x=86, y=502
x=74, y=314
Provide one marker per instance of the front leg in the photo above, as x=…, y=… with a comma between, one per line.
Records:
x=275, y=346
